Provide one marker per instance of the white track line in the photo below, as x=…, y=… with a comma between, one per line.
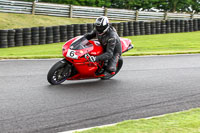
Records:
x=83, y=129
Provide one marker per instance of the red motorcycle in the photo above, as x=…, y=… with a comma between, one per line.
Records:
x=76, y=64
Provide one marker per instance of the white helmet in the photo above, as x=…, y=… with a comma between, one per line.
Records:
x=101, y=24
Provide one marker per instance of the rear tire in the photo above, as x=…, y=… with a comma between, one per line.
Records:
x=59, y=72
x=119, y=66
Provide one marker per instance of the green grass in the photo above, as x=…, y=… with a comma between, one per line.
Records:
x=177, y=43
x=11, y=20
x=182, y=122
x=174, y=43
x=34, y=51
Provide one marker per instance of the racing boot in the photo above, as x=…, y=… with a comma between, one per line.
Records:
x=106, y=74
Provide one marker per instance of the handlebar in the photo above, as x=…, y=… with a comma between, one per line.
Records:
x=87, y=54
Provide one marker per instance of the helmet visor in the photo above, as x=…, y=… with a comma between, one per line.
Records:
x=100, y=29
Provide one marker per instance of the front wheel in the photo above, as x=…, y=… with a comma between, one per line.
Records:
x=59, y=72
x=119, y=66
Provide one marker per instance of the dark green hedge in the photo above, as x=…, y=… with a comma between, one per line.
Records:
x=166, y=5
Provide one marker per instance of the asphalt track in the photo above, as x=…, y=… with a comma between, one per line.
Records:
x=146, y=86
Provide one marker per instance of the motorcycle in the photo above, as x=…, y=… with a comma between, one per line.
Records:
x=76, y=64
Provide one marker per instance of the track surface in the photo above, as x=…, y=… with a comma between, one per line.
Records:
x=146, y=86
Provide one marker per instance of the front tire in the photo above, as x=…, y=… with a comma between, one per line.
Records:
x=119, y=66
x=59, y=72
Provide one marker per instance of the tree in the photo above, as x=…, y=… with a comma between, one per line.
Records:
x=166, y=5
x=178, y=5
x=195, y=5
x=118, y=4
x=103, y=3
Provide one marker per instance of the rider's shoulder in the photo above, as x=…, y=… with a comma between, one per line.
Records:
x=113, y=29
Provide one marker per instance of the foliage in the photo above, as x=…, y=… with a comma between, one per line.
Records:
x=166, y=5
x=179, y=5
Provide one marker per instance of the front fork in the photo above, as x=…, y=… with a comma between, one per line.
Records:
x=67, y=68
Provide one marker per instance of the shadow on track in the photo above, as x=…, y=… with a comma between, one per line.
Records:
x=86, y=84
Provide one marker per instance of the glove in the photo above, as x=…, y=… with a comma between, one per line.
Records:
x=92, y=58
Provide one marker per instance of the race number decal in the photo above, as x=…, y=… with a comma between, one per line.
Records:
x=71, y=54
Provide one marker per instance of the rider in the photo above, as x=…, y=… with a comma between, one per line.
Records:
x=110, y=42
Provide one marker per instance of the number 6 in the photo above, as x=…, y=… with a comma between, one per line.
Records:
x=72, y=53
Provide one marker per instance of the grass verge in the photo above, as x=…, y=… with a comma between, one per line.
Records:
x=32, y=52
x=12, y=20
x=181, y=122
x=163, y=44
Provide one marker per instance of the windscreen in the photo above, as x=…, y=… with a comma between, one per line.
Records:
x=80, y=43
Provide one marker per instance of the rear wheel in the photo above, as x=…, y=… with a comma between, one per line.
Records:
x=119, y=66
x=59, y=72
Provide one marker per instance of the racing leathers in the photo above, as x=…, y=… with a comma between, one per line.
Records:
x=111, y=44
